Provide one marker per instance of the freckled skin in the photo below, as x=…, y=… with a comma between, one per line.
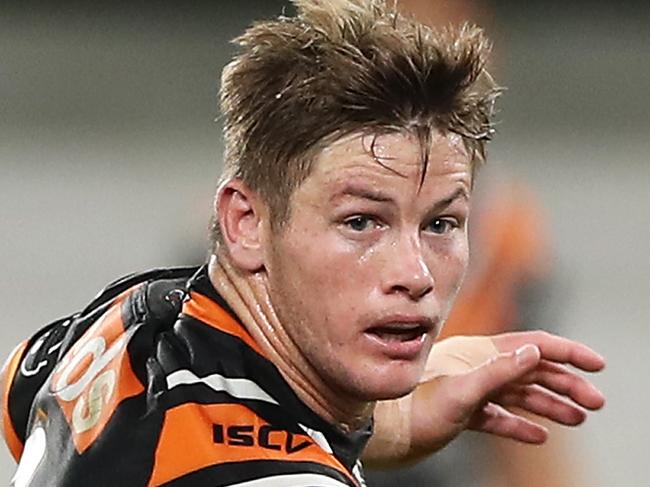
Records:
x=344, y=261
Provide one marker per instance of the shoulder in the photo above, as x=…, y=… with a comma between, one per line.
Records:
x=87, y=350
x=156, y=382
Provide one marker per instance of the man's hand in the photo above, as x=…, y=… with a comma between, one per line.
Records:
x=470, y=382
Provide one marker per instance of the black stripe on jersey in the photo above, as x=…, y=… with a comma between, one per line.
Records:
x=235, y=361
x=204, y=395
x=152, y=309
x=201, y=283
x=120, y=285
x=51, y=343
x=226, y=474
x=39, y=359
x=123, y=455
x=213, y=351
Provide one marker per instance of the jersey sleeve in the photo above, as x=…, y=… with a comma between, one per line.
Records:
x=115, y=395
x=24, y=373
x=33, y=362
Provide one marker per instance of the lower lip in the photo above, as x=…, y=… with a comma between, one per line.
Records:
x=396, y=349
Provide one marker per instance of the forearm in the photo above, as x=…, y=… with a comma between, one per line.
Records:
x=391, y=439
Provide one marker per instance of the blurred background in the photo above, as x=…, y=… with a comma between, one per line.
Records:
x=109, y=153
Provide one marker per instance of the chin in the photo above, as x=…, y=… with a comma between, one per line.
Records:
x=386, y=394
x=385, y=385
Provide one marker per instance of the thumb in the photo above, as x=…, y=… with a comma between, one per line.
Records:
x=488, y=378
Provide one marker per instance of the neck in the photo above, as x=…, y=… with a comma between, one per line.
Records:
x=248, y=295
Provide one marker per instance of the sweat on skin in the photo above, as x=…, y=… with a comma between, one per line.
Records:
x=358, y=281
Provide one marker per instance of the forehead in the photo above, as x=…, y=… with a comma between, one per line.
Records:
x=391, y=157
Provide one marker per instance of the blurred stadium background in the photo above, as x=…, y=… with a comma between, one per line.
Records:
x=109, y=154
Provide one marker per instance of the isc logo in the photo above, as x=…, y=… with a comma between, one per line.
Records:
x=266, y=436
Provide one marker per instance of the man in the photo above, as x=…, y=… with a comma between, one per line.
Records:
x=352, y=140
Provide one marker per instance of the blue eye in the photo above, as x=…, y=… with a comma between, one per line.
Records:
x=360, y=223
x=441, y=226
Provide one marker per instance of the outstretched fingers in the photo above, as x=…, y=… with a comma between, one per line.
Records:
x=561, y=380
x=497, y=420
x=537, y=400
x=476, y=386
x=553, y=348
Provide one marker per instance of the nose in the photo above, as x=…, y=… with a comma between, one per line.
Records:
x=407, y=271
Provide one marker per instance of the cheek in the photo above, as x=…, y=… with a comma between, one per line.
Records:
x=448, y=264
x=325, y=261
x=320, y=278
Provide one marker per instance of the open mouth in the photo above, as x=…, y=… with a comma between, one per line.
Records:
x=398, y=332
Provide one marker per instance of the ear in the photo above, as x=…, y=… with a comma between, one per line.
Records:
x=241, y=215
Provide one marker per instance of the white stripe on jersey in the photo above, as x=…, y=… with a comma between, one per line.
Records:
x=318, y=437
x=239, y=388
x=293, y=480
x=357, y=471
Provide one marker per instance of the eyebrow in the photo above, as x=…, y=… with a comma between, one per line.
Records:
x=378, y=196
x=460, y=193
x=364, y=193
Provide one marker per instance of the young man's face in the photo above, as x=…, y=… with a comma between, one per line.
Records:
x=364, y=272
